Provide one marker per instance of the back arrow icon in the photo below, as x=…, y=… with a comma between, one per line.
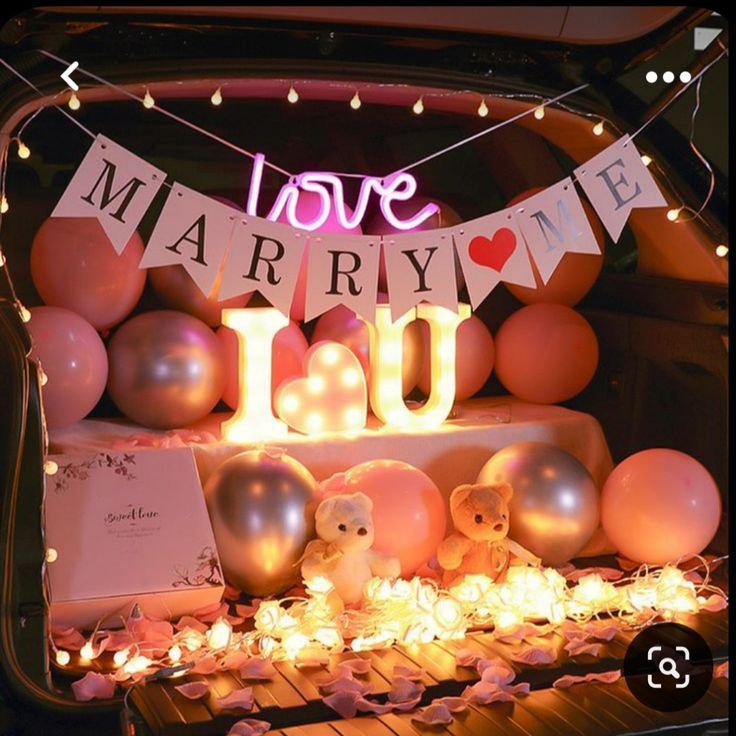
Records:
x=67, y=75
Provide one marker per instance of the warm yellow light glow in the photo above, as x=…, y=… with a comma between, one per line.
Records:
x=448, y=614
x=44, y=379
x=355, y=101
x=74, y=103
x=316, y=385
x=220, y=634
x=508, y=620
x=2, y=259
x=50, y=467
x=256, y=329
x=290, y=403
x=673, y=214
x=330, y=355
x=87, y=651
x=294, y=643
x=722, y=251
x=539, y=112
x=51, y=555
x=350, y=377
x=315, y=422
x=175, y=654
x=25, y=314
x=386, y=343
x=293, y=95
x=646, y=160
x=23, y=150
x=267, y=645
x=120, y=658
x=193, y=640
x=418, y=107
x=483, y=108
x=4, y=206
x=148, y=101
x=267, y=616
x=355, y=416
x=216, y=98
x=329, y=637
x=63, y=658
x=137, y=664
x=598, y=128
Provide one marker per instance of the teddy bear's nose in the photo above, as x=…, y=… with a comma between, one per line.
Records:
x=478, y=518
x=498, y=527
x=362, y=531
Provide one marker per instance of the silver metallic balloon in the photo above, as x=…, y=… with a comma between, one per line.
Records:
x=166, y=369
x=555, y=507
x=262, y=511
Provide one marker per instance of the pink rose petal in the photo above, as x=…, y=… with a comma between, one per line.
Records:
x=714, y=603
x=437, y=714
x=93, y=686
x=602, y=633
x=453, y=704
x=576, y=647
x=495, y=670
x=566, y=569
x=249, y=727
x=67, y=638
x=257, y=668
x=242, y=698
x=404, y=690
x=247, y=611
x=345, y=704
x=721, y=669
x=210, y=614
x=569, y=680
x=694, y=577
x=114, y=641
x=189, y=622
x=467, y=657
x=410, y=673
x=607, y=573
x=571, y=630
x=483, y=693
x=511, y=636
x=193, y=690
x=535, y=655
x=627, y=565
x=356, y=665
x=343, y=684
x=234, y=660
x=205, y=666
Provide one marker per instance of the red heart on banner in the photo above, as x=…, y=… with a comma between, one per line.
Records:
x=493, y=252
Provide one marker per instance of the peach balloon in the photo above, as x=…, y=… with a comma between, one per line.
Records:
x=576, y=273
x=660, y=505
x=73, y=358
x=446, y=217
x=342, y=325
x=74, y=266
x=474, y=356
x=408, y=508
x=546, y=353
x=289, y=347
x=307, y=208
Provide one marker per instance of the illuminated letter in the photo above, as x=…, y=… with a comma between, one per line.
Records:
x=254, y=419
x=386, y=346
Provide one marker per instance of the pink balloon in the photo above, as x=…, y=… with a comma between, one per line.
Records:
x=546, y=353
x=289, y=347
x=73, y=358
x=408, y=509
x=660, y=505
x=446, y=217
x=473, y=358
x=342, y=325
x=307, y=208
x=74, y=266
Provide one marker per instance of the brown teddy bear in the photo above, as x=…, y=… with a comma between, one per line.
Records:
x=479, y=545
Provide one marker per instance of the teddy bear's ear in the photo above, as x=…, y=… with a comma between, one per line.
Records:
x=324, y=510
x=365, y=502
x=460, y=495
x=505, y=490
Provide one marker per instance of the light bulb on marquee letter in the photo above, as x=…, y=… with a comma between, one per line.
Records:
x=386, y=350
x=256, y=329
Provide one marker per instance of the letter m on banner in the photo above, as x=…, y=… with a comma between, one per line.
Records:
x=115, y=187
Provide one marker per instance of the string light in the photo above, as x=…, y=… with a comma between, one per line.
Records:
x=483, y=108
x=23, y=150
x=646, y=160
x=722, y=251
x=216, y=98
x=87, y=651
x=137, y=664
x=74, y=103
x=418, y=107
x=4, y=206
x=51, y=555
x=63, y=657
x=175, y=654
x=220, y=634
x=148, y=101
x=44, y=378
x=539, y=112
x=2, y=259
x=25, y=314
x=598, y=128
x=293, y=95
x=50, y=467
x=355, y=101
x=673, y=214
x=121, y=657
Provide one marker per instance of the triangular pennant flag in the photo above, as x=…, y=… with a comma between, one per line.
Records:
x=115, y=187
x=616, y=181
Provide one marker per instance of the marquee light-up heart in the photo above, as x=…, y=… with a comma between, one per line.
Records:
x=332, y=398
x=494, y=252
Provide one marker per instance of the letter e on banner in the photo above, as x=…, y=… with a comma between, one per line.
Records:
x=616, y=181
x=115, y=187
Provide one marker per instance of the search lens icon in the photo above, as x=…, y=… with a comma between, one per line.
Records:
x=668, y=666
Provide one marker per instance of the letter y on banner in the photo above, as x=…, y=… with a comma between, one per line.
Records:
x=616, y=182
x=115, y=187
x=192, y=230
x=553, y=223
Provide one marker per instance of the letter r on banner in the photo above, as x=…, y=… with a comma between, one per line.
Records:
x=115, y=187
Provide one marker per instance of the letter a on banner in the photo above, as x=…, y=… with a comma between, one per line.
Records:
x=342, y=270
x=115, y=187
x=265, y=256
x=420, y=267
x=616, y=182
x=192, y=230
x=553, y=223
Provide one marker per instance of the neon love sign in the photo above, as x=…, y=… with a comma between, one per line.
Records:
x=398, y=188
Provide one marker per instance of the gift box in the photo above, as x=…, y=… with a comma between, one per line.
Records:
x=125, y=528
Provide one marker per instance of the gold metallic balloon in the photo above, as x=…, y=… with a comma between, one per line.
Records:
x=262, y=508
x=166, y=369
x=555, y=507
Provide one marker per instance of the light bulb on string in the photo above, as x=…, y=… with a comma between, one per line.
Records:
x=74, y=103
x=148, y=101
x=598, y=128
x=673, y=214
x=355, y=101
x=293, y=95
x=2, y=259
x=4, y=206
x=646, y=160
x=722, y=251
x=539, y=112
x=418, y=107
x=62, y=657
x=44, y=379
x=483, y=108
x=23, y=150
x=25, y=314
x=50, y=467
x=216, y=98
